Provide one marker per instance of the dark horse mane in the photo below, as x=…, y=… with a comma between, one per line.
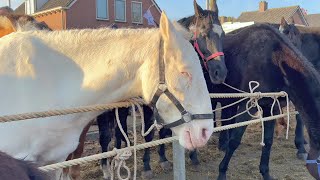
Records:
x=252, y=30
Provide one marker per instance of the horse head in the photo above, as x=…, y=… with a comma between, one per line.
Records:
x=11, y=23
x=181, y=99
x=291, y=31
x=207, y=39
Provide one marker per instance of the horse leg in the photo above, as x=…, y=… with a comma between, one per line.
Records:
x=268, y=141
x=299, y=139
x=106, y=124
x=74, y=171
x=147, y=172
x=164, y=163
x=123, y=114
x=234, y=142
x=225, y=135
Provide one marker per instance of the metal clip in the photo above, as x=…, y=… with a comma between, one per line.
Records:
x=187, y=117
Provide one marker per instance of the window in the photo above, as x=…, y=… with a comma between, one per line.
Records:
x=120, y=10
x=136, y=10
x=102, y=9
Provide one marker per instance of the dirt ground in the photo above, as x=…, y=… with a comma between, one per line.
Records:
x=244, y=165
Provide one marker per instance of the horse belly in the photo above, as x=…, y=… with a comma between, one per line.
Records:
x=39, y=140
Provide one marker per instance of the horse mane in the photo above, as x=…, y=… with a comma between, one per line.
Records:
x=90, y=35
x=302, y=66
x=182, y=30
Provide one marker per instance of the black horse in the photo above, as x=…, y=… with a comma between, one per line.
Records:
x=11, y=168
x=207, y=39
x=261, y=53
x=307, y=39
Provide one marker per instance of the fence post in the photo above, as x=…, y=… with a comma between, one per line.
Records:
x=179, y=164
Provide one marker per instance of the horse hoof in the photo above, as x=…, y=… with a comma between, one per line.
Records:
x=147, y=174
x=302, y=156
x=222, y=176
x=166, y=166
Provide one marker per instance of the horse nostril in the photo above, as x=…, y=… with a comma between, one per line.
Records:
x=216, y=73
x=204, y=133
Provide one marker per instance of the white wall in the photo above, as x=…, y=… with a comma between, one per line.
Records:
x=228, y=27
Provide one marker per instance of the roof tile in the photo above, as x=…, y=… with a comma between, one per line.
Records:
x=269, y=16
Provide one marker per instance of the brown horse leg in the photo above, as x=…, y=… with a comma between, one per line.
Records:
x=75, y=170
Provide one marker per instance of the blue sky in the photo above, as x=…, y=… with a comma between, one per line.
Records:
x=177, y=9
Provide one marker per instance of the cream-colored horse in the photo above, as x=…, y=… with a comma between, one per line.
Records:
x=41, y=70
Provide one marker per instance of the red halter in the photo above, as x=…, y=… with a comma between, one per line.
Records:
x=205, y=59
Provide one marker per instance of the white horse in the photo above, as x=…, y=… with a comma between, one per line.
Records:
x=41, y=70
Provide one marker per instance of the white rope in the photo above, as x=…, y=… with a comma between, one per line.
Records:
x=119, y=161
x=138, y=147
x=253, y=103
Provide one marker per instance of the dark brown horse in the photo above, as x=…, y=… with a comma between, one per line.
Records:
x=14, y=169
x=262, y=54
x=307, y=39
x=207, y=40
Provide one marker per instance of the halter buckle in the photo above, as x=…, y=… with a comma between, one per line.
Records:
x=163, y=87
x=187, y=117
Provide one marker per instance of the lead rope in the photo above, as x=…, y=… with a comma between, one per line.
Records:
x=119, y=161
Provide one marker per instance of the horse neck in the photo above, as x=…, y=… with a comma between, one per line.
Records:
x=112, y=61
x=303, y=86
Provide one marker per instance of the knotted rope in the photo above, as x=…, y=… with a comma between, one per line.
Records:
x=119, y=161
x=253, y=98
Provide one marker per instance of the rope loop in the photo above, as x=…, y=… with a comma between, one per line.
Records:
x=119, y=161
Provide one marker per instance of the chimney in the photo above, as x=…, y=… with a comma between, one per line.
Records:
x=263, y=6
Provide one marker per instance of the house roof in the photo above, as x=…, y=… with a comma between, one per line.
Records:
x=269, y=16
x=50, y=4
x=21, y=9
x=54, y=4
x=313, y=20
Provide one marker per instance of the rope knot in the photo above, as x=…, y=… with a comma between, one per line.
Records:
x=122, y=155
x=119, y=161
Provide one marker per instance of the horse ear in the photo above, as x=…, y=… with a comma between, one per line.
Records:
x=166, y=27
x=197, y=9
x=283, y=22
x=214, y=6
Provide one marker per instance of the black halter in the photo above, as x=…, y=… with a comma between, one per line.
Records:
x=162, y=89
